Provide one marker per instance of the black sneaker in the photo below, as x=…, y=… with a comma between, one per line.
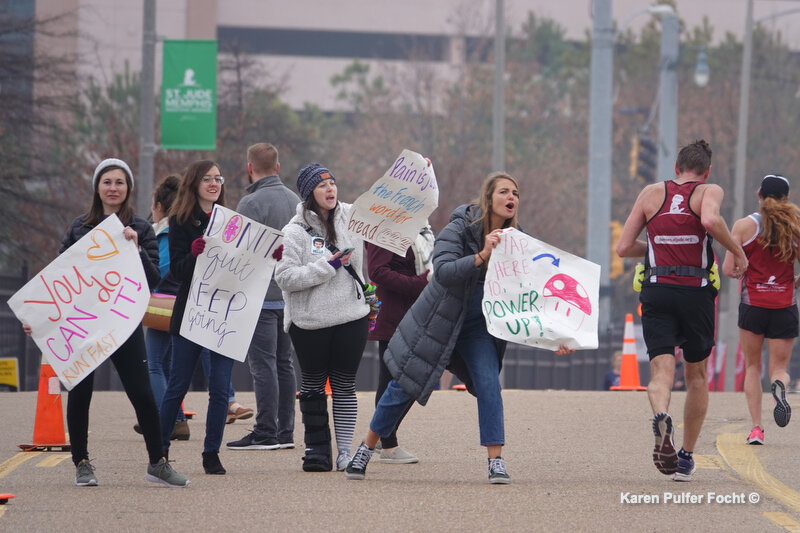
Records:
x=251, y=442
x=497, y=472
x=357, y=467
x=782, y=411
x=664, y=455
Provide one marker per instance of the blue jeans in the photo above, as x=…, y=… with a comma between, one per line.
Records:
x=478, y=350
x=159, y=362
x=184, y=360
x=390, y=410
x=204, y=360
x=270, y=360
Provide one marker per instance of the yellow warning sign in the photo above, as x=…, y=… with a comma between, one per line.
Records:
x=9, y=374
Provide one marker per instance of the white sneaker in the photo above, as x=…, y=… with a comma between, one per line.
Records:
x=342, y=460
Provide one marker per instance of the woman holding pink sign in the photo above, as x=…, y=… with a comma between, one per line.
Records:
x=113, y=184
x=201, y=188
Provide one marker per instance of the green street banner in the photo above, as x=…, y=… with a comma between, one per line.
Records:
x=189, y=95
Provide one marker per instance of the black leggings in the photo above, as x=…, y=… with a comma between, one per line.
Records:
x=334, y=353
x=384, y=377
x=130, y=360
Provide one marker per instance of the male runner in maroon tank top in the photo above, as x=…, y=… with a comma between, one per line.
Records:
x=681, y=216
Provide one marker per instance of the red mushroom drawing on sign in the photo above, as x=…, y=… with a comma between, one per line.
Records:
x=566, y=301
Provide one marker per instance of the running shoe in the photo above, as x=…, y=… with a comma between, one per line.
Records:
x=685, y=470
x=756, y=436
x=664, y=455
x=782, y=411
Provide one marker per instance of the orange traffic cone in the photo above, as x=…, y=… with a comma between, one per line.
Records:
x=48, y=428
x=629, y=370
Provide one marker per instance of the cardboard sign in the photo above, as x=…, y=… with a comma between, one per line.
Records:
x=391, y=213
x=86, y=303
x=538, y=295
x=230, y=280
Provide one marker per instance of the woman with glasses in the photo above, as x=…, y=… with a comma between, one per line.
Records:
x=201, y=188
x=768, y=308
x=326, y=313
x=113, y=185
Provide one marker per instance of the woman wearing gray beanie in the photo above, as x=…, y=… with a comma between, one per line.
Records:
x=325, y=314
x=113, y=184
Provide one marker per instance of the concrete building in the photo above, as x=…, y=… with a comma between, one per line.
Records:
x=306, y=42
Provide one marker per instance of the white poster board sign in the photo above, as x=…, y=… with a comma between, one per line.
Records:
x=230, y=280
x=86, y=303
x=538, y=295
x=391, y=213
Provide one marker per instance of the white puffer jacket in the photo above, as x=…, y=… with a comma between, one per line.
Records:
x=316, y=294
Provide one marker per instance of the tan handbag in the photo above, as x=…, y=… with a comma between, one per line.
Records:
x=159, y=311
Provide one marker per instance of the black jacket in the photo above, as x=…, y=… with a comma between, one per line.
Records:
x=181, y=260
x=148, y=245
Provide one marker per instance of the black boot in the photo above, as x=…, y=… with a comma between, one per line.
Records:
x=314, y=408
x=211, y=463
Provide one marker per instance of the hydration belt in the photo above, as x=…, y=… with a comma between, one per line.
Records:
x=683, y=270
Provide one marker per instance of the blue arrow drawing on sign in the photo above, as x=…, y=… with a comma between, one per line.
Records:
x=555, y=260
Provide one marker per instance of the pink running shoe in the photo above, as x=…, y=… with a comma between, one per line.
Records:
x=756, y=436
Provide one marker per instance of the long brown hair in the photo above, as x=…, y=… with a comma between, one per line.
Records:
x=484, y=201
x=781, y=221
x=96, y=213
x=186, y=201
x=327, y=223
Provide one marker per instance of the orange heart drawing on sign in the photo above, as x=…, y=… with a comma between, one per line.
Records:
x=102, y=250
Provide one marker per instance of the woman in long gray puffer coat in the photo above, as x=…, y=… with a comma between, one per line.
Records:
x=446, y=326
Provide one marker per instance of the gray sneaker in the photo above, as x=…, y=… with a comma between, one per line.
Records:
x=497, y=472
x=397, y=456
x=163, y=473
x=84, y=474
x=342, y=460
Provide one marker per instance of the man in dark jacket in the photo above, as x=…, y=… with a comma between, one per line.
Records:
x=271, y=203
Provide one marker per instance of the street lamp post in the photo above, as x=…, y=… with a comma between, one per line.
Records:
x=499, y=110
x=147, y=146
x=668, y=97
x=598, y=217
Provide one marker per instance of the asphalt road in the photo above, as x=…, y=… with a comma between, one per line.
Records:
x=578, y=461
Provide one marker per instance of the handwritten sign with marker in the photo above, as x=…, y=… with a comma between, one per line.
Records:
x=391, y=213
x=86, y=303
x=538, y=295
x=230, y=280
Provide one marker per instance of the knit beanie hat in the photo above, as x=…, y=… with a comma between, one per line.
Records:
x=309, y=177
x=774, y=186
x=111, y=163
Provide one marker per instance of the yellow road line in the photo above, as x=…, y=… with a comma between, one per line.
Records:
x=52, y=460
x=10, y=464
x=2, y=510
x=742, y=459
x=708, y=461
x=783, y=520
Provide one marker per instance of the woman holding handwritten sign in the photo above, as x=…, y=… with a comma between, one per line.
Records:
x=325, y=314
x=201, y=188
x=113, y=184
x=445, y=326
